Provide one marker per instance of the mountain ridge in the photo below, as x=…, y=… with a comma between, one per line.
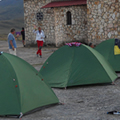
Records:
x=11, y=15
x=11, y=9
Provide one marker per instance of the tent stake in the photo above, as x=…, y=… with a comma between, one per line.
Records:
x=20, y=115
x=113, y=83
x=61, y=103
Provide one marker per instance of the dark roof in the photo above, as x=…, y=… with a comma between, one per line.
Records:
x=65, y=3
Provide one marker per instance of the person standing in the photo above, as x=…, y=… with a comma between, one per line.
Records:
x=40, y=39
x=12, y=42
x=23, y=36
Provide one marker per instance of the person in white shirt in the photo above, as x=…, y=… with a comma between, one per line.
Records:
x=40, y=39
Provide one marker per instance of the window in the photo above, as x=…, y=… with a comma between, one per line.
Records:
x=39, y=16
x=69, y=19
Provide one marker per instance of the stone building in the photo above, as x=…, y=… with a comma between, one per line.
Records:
x=73, y=20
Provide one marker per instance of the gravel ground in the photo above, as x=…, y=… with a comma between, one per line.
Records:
x=80, y=103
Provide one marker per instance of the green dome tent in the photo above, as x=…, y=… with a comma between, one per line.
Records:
x=71, y=66
x=21, y=88
x=106, y=48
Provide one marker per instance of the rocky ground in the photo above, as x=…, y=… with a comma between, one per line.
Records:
x=80, y=103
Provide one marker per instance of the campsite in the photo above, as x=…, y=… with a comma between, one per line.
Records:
x=59, y=60
x=88, y=102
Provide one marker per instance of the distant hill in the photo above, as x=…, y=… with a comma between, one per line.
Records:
x=6, y=25
x=11, y=9
x=10, y=2
x=11, y=15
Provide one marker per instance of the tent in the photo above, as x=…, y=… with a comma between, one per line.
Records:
x=21, y=88
x=106, y=48
x=71, y=66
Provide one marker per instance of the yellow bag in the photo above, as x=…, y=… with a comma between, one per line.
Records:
x=116, y=50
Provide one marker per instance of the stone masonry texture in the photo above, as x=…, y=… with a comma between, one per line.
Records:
x=103, y=18
x=95, y=22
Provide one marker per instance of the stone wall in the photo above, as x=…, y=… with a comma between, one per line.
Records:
x=77, y=30
x=31, y=8
x=103, y=20
x=54, y=22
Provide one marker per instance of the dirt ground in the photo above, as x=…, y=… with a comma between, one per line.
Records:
x=80, y=103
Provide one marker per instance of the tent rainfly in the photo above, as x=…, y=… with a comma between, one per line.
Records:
x=21, y=88
x=81, y=65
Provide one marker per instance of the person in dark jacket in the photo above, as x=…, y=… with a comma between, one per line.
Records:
x=23, y=36
x=91, y=45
